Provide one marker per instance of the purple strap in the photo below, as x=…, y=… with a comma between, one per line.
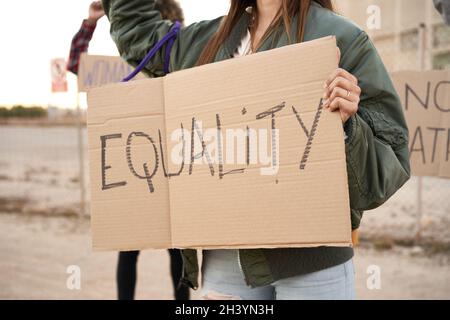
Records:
x=170, y=39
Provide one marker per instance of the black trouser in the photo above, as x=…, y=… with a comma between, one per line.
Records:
x=126, y=275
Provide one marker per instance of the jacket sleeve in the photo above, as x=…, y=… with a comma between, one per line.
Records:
x=377, y=145
x=80, y=44
x=136, y=26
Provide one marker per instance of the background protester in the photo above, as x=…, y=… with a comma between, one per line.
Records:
x=127, y=262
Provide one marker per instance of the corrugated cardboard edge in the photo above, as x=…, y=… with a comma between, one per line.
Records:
x=271, y=246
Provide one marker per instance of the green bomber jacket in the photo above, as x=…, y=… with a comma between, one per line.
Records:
x=377, y=144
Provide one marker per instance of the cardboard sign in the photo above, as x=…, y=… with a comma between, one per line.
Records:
x=235, y=154
x=95, y=71
x=426, y=101
x=58, y=73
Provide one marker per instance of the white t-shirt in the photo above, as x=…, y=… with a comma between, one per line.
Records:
x=245, y=47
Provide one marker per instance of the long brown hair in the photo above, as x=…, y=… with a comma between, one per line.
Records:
x=288, y=9
x=170, y=10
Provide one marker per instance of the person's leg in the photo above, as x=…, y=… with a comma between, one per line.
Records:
x=222, y=278
x=126, y=275
x=335, y=283
x=181, y=292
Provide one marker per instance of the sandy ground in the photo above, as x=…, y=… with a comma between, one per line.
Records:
x=35, y=252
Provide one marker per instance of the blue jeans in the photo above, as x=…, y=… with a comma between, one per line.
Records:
x=222, y=278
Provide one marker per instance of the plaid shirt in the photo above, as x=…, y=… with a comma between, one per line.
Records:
x=80, y=44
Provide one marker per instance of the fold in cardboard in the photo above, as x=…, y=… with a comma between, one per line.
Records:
x=235, y=154
x=425, y=97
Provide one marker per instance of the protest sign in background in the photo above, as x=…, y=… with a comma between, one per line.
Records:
x=425, y=97
x=97, y=70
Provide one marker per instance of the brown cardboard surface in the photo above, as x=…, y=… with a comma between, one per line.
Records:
x=95, y=71
x=425, y=97
x=213, y=203
x=126, y=217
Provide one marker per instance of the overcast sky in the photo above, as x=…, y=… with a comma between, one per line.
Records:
x=33, y=32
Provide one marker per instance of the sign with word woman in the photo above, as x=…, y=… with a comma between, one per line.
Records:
x=235, y=154
x=95, y=71
x=426, y=102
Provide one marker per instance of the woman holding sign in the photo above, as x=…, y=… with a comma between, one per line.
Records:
x=360, y=91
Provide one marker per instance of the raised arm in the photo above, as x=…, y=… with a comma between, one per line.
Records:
x=80, y=42
x=136, y=26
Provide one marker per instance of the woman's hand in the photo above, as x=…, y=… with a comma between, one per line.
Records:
x=341, y=92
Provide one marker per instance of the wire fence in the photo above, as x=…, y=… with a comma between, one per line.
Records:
x=39, y=169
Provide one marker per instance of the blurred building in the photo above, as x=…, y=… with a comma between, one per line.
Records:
x=411, y=35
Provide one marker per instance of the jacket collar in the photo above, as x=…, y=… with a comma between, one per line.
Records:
x=277, y=39
x=237, y=33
